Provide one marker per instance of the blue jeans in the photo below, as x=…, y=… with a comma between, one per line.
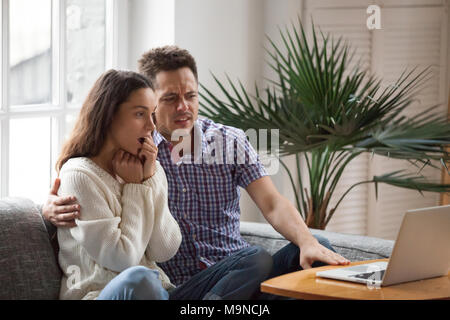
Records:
x=287, y=260
x=135, y=283
x=236, y=277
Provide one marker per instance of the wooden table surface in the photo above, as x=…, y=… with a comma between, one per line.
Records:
x=305, y=285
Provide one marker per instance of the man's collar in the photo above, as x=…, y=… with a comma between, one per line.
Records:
x=158, y=138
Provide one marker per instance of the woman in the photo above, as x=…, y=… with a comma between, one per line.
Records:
x=109, y=164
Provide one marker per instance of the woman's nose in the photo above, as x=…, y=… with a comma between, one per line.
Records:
x=150, y=123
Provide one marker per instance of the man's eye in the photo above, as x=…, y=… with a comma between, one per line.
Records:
x=169, y=99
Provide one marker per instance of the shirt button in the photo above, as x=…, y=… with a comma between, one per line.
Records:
x=184, y=190
x=194, y=236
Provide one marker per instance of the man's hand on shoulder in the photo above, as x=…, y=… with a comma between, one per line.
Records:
x=60, y=211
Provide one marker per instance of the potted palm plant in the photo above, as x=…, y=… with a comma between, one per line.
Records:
x=328, y=114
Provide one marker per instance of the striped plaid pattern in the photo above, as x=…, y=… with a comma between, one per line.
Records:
x=204, y=195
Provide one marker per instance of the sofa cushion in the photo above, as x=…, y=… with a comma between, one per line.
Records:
x=352, y=247
x=29, y=269
x=52, y=232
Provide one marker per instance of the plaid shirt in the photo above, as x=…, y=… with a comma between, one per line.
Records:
x=204, y=195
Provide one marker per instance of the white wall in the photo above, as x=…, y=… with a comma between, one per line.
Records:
x=150, y=24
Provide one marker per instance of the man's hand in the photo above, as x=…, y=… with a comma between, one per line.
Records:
x=286, y=219
x=312, y=251
x=60, y=211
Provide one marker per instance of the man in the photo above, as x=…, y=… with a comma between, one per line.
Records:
x=204, y=194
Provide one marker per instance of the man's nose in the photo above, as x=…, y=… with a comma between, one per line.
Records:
x=182, y=105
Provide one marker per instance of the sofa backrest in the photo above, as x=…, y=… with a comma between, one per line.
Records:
x=350, y=246
x=28, y=264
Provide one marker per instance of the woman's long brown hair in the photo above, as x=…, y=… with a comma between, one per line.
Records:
x=109, y=91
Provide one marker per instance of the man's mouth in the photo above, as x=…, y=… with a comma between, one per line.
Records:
x=182, y=120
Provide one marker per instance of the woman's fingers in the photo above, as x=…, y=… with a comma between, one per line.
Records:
x=150, y=147
x=135, y=160
x=148, y=155
x=117, y=158
x=148, y=151
x=145, y=155
x=127, y=166
x=126, y=158
x=149, y=142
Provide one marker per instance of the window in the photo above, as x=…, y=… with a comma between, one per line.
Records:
x=52, y=52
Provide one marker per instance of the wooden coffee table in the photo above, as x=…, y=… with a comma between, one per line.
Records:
x=305, y=285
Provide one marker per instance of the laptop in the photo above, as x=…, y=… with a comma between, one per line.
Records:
x=421, y=251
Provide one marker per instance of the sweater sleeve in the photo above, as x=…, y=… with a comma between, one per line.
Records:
x=166, y=236
x=114, y=236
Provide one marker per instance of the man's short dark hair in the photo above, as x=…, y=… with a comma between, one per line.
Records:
x=165, y=58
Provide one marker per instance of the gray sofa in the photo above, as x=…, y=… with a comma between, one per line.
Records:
x=28, y=249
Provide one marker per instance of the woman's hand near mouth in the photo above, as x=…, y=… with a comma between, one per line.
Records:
x=147, y=155
x=127, y=167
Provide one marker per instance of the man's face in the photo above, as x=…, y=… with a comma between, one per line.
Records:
x=177, y=101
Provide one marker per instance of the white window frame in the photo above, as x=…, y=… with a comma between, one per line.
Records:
x=57, y=109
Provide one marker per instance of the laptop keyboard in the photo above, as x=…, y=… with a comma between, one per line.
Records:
x=377, y=275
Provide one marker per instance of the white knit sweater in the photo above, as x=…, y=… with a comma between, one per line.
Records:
x=120, y=226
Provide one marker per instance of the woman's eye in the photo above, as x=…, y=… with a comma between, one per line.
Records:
x=140, y=114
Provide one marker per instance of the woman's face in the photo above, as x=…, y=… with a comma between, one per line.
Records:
x=133, y=121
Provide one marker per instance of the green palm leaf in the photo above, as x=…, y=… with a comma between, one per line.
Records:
x=330, y=113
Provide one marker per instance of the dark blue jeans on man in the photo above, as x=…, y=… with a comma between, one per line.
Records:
x=287, y=260
x=237, y=277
